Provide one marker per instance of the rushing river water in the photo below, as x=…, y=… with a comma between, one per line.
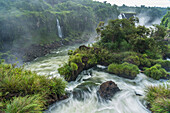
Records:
x=83, y=97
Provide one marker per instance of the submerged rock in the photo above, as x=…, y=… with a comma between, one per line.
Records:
x=107, y=90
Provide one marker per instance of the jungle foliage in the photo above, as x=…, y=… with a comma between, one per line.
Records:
x=122, y=35
x=166, y=20
x=156, y=72
x=158, y=98
x=121, y=41
x=34, y=21
x=25, y=91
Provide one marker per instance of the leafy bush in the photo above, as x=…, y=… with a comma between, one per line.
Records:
x=155, y=72
x=75, y=58
x=17, y=80
x=74, y=66
x=158, y=97
x=70, y=52
x=124, y=69
x=144, y=61
x=133, y=60
x=14, y=81
x=27, y=104
x=66, y=70
x=164, y=63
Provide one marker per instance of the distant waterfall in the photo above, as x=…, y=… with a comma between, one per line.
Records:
x=120, y=16
x=124, y=16
x=59, y=29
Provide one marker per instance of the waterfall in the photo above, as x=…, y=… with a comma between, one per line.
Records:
x=59, y=29
x=124, y=15
x=120, y=16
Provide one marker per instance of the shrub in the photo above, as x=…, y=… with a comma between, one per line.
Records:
x=70, y=52
x=155, y=72
x=133, y=60
x=66, y=70
x=27, y=104
x=158, y=97
x=92, y=60
x=16, y=82
x=127, y=69
x=76, y=58
x=74, y=66
x=144, y=61
x=164, y=63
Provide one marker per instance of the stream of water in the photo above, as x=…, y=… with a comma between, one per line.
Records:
x=83, y=97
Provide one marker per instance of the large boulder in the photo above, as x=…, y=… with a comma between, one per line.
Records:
x=107, y=90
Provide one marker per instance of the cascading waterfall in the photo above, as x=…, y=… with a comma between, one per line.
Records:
x=83, y=97
x=120, y=16
x=59, y=31
x=124, y=15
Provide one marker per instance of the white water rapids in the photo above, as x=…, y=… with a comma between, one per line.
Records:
x=83, y=97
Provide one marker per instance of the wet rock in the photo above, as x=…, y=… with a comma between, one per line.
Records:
x=83, y=47
x=138, y=94
x=107, y=90
x=54, y=98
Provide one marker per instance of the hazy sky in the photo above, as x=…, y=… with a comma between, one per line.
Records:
x=159, y=3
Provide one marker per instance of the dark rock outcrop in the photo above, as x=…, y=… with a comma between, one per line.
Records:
x=54, y=98
x=107, y=90
x=83, y=47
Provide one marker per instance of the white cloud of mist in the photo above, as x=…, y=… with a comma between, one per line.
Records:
x=144, y=19
x=157, y=3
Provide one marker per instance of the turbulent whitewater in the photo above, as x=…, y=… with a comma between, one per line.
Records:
x=82, y=92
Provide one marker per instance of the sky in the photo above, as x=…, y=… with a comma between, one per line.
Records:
x=152, y=3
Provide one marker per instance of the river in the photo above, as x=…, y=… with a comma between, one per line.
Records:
x=83, y=97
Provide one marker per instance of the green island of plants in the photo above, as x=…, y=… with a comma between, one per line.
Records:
x=125, y=70
x=126, y=48
x=156, y=72
x=23, y=91
x=159, y=98
x=120, y=41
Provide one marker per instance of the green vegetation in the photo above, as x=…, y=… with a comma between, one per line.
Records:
x=125, y=70
x=34, y=21
x=164, y=63
x=25, y=104
x=133, y=38
x=121, y=41
x=66, y=70
x=156, y=72
x=30, y=91
x=166, y=20
x=158, y=98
